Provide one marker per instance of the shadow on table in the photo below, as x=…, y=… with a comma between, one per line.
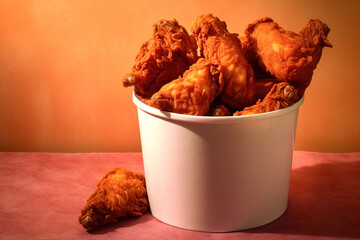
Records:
x=123, y=223
x=324, y=200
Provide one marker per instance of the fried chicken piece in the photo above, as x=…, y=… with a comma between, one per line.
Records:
x=193, y=93
x=220, y=111
x=286, y=55
x=162, y=58
x=216, y=43
x=119, y=193
x=281, y=95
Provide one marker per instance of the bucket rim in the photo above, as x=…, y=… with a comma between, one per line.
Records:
x=213, y=119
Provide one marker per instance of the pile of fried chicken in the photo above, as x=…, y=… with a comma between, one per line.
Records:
x=217, y=73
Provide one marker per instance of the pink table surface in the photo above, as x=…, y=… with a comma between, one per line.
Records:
x=41, y=195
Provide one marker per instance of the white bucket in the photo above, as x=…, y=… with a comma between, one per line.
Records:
x=217, y=174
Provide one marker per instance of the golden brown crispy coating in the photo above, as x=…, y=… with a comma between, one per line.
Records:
x=286, y=55
x=162, y=58
x=280, y=96
x=119, y=193
x=217, y=44
x=193, y=93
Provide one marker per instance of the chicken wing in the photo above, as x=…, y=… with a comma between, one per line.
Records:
x=286, y=55
x=217, y=44
x=161, y=59
x=193, y=93
x=119, y=193
x=280, y=96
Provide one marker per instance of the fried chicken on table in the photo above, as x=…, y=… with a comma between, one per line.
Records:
x=286, y=55
x=281, y=95
x=119, y=193
x=162, y=58
x=217, y=44
x=193, y=93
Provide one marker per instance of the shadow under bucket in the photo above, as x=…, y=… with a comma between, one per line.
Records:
x=217, y=174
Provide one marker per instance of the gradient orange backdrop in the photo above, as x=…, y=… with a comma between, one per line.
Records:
x=61, y=64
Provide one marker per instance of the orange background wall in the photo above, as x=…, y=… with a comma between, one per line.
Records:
x=61, y=64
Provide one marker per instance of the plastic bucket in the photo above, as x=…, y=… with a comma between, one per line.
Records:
x=217, y=174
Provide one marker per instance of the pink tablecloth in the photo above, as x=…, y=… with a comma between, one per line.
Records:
x=41, y=195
